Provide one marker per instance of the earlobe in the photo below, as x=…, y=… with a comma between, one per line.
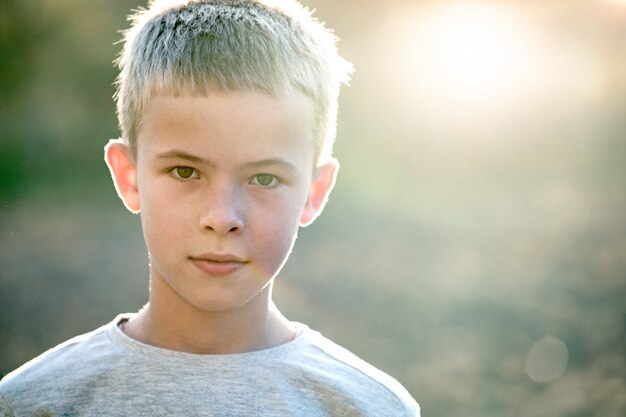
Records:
x=123, y=172
x=321, y=187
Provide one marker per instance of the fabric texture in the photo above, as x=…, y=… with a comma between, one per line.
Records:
x=106, y=373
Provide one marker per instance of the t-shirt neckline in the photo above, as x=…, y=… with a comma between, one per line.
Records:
x=303, y=336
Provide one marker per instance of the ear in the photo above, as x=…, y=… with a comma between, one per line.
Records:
x=121, y=163
x=321, y=187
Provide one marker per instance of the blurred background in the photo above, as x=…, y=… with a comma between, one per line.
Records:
x=475, y=244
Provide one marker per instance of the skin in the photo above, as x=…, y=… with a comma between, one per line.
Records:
x=222, y=182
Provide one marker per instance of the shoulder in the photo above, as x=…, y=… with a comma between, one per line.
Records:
x=61, y=366
x=346, y=371
x=63, y=355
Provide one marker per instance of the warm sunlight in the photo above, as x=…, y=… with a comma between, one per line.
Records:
x=474, y=55
x=473, y=247
x=475, y=51
x=469, y=64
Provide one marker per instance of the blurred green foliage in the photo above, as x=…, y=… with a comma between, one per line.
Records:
x=450, y=247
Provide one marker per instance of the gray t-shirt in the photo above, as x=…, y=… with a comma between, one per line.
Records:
x=106, y=373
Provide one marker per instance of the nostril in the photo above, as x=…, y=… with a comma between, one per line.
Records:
x=222, y=217
x=221, y=226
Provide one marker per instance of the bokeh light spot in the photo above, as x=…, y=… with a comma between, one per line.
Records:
x=547, y=359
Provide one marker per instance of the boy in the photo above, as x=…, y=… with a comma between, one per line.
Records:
x=227, y=111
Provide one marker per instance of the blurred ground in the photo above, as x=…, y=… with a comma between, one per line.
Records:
x=475, y=244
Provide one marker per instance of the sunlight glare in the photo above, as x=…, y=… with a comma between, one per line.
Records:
x=474, y=52
x=468, y=57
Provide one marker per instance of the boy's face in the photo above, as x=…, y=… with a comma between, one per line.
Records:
x=222, y=182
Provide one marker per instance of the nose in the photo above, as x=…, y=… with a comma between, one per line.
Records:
x=222, y=212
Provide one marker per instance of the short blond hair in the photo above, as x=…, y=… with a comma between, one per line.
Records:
x=195, y=46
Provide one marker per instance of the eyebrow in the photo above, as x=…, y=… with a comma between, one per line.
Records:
x=271, y=162
x=177, y=154
x=262, y=163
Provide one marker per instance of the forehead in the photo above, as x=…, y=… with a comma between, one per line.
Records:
x=229, y=124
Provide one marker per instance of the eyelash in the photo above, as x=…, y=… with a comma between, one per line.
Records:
x=276, y=181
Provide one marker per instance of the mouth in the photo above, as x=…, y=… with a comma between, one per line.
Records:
x=218, y=264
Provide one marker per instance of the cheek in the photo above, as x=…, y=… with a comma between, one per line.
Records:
x=164, y=219
x=274, y=237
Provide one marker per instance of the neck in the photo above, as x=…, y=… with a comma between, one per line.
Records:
x=171, y=323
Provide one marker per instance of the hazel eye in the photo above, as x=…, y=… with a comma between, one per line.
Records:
x=184, y=172
x=265, y=180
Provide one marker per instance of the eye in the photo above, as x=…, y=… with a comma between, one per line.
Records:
x=265, y=180
x=184, y=173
